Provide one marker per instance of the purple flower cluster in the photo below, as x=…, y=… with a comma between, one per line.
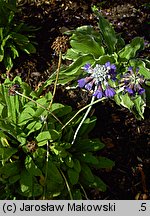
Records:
x=99, y=77
x=132, y=81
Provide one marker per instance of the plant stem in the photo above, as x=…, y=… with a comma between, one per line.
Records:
x=79, y=126
x=56, y=80
x=83, y=110
x=83, y=191
x=67, y=185
x=46, y=170
x=40, y=105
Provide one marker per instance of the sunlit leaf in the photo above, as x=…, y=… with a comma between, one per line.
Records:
x=108, y=32
x=130, y=50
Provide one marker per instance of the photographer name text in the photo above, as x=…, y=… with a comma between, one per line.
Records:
x=70, y=207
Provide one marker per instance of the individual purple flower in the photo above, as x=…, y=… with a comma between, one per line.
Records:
x=112, y=70
x=129, y=90
x=89, y=86
x=87, y=67
x=109, y=66
x=130, y=69
x=141, y=91
x=81, y=82
x=109, y=92
x=113, y=74
x=98, y=93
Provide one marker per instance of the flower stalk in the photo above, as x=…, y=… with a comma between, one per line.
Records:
x=82, y=121
x=56, y=80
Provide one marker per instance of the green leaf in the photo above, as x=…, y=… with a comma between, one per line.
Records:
x=14, y=107
x=54, y=135
x=86, y=145
x=1, y=34
x=142, y=67
x=31, y=167
x=45, y=136
x=74, y=69
x=1, y=53
x=3, y=139
x=6, y=153
x=39, y=157
x=107, y=31
x=14, y=179
x=88, y=158
x=8, y=62
x=1, y=109
x=11, y=104
x=86, y=40
x=20, y=39
x=139, y=106
x=87, y=126
x=147, y=89
x=29, y=186
x=41, y=112
x=10, y=169
x=26, y=115
x=144, y=71
x=126, y=101
x=120, y=42
x=53, y=173
x=28, y=48
x=72, y=54
x=11, y=5
x=73, y=176
x=14, y=51
x=77, y=165
x=33, y=126
x=77, y=194
x=75, y=66
x=53, y=189
x=69, y=161
x=86, y=174
x=98, y=184
x=42, y=101
x=130, y=50
x=59, y=151
x=8, y=128
x=21, y=137
x=60, y=110
x=5, y=40
x=11, y=16
x=105, y=58
x=147, y=62
x=104, y=162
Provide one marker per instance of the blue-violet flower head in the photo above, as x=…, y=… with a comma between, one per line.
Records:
x=132, y=81
x=98, y=78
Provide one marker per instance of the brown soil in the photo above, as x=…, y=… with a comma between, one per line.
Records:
x=127, y=139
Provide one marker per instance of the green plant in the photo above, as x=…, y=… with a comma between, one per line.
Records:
x=37, y=158
x=102, y=46
x=15, y=36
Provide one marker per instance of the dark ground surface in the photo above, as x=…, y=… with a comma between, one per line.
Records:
x=127, y=139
